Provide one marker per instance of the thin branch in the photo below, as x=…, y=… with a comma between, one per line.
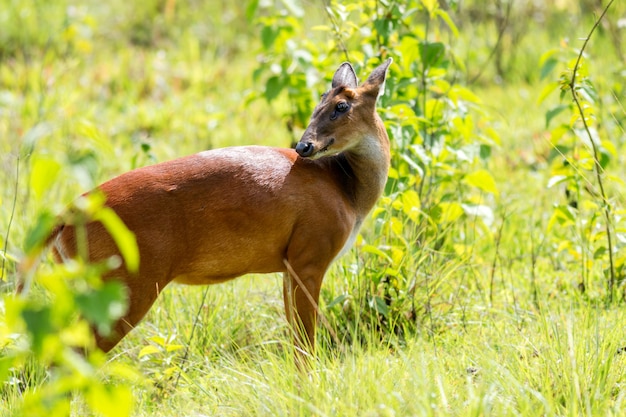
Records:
x=495, y=258
x=597, y=167
x=504, y=23
x=6, y=237
x=336, y=30
x=193, y=329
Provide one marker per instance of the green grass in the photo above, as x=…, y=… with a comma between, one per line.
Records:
x=89, y=92
x=563, y=360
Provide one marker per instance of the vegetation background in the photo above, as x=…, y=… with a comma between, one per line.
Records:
x=487, y=282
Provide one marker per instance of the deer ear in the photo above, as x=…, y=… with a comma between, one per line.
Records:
x=375, y=83
x=345, y=76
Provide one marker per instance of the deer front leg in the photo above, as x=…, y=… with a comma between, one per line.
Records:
x=142, y=292
x=137, y=310
x=301, y=295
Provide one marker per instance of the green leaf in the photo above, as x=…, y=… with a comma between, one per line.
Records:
x=482, y=180
x=268, y=36
x=446, y=18
x=273, y=87
x=561, y=216
x=432, y=53
x=430, y=5
x=547, y=90
x=548, y=55
x=599, y=253
x=384, y=27
x=148, y=350
x=123, y=237
x=52, y=400
x=44, y=173
x=110, y=400
x=411, y=204
x=375, y=251
x=39, y=324
x=552, y=113
x=447, y=212
x=408, y=49
x=397, y=227
x=464, y=94
x=609, y=147
x=557, y=179
x=484, y=152
x=103, y=306
x=547, y=67
x=38, y=234
x=378, y=304
x=159, y=340
x=173, y=348
x=338, y=300
x=605, y=158
x=251, y=9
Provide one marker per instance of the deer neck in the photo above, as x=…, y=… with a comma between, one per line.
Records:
x=369, y=162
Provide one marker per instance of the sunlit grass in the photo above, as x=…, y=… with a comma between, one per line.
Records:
x=557, y=361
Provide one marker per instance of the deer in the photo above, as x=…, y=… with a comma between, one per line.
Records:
x=223, y=213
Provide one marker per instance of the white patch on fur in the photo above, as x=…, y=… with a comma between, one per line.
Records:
x=60, y=248
x=371, y=149
x=381, y=89
x=268, y=166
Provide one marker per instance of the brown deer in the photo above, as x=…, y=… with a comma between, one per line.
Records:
x=223, y=213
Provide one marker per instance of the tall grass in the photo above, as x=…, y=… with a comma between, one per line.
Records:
x=564, y=361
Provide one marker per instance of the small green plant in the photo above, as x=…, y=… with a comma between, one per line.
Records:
x=51, y=330
x=46, y=344
x=587, y=227
x=440, y=192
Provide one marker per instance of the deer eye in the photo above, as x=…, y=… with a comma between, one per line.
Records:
x=342, y=107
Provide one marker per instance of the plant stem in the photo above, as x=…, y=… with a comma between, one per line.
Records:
x=336, y=30
x=6, y=237
x=193, y=329
x=596, y=161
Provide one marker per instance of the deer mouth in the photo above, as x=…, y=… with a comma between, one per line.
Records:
x=328, y=145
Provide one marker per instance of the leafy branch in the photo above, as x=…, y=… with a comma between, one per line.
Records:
x=573, y=88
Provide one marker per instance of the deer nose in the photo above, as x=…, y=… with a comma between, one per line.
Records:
x=305, y=149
